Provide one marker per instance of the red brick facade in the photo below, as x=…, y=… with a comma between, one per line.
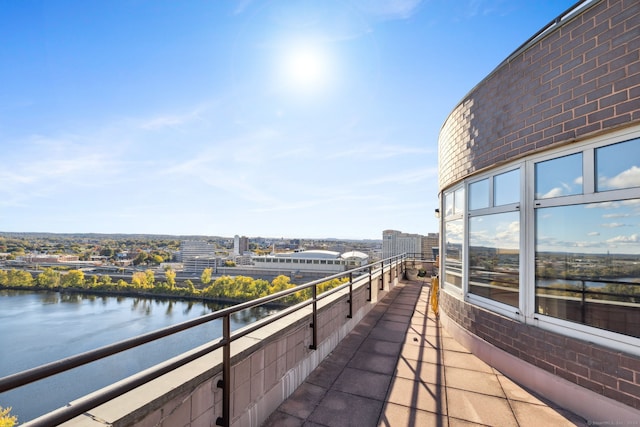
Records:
x=581, y=79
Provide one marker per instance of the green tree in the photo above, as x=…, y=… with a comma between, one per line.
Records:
x=140, y=258
x=205, y=278
x=156, y=259
x=19, y=278
x=280, y=283
x=73, y=279
x=139, y=280
x=191, y=287
x=108, y=252
x=150, y=277
x=4, y=280
x=49, y=278
x=171, y=277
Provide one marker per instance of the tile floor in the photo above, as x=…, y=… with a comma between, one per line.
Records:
x=398, y=367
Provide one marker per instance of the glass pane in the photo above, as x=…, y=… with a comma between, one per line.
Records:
x=559, y=177
x=453, y=252
x=479, y=194
x=448, y=204
x=506, y=188
x=618, y=166
x=494, y=257
x=587, y=264
x=459, y=201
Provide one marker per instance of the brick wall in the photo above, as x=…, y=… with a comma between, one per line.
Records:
x=613, y=374
x=583, y=78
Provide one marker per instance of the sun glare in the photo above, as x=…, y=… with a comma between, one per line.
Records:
x=306, y=69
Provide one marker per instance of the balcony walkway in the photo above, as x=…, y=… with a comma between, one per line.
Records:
x=398, y=367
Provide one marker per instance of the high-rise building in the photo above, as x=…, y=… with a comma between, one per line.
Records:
x=240, y=245
x=195, y=248
x=396, y=243
x=430, y=245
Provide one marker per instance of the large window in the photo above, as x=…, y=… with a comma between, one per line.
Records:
x=553, y=239
x=618, y=166
x=453, y=237
x=494, y=257
x=494, y=238
x=588, y=264
x=559, y=177
x=587, y=253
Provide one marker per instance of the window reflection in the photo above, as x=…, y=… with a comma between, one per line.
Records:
x=453, y=252
x=559, y=177
x=588, y=264
x=479, y=194
x=506, y=188
x=459, y=201
x=494, y=257
x=618, y=166
x=448, y=204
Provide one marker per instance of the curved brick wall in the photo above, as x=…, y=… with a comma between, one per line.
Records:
x=580, y=79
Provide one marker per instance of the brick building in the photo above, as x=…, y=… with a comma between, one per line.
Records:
x=539, y=176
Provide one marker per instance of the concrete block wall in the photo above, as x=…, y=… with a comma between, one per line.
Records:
x=609, y=373
x=581, y=79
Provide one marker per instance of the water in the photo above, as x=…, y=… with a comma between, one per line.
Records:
x=37, y=328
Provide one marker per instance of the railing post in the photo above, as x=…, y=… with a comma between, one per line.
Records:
x=583, y=306
x=350, y=296
x=382, y=277
x=314, y=319
x=225, y=420
x=370, y=295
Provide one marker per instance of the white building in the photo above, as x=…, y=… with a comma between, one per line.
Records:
x=195, y=248
x=317, y=261
x=396, y=243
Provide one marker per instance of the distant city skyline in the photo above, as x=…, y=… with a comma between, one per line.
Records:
x=314, y=119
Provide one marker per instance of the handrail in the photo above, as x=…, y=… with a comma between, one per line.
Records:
x=82, y=405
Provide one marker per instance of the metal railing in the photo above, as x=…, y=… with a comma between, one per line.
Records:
x=106, y=394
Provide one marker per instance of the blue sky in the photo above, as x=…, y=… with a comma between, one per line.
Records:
x=259, y=118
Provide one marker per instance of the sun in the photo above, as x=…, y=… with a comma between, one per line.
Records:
x=306, y=68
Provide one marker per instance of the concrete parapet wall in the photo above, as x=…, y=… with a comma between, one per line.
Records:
x=267, y=366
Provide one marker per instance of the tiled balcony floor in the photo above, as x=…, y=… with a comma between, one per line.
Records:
x=398, y=367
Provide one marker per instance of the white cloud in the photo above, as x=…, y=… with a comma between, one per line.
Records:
x=616, y=215
x=593, y=233
x=634, y=238
x=554, y=192
x=613, y=225
x=160, y=122
x=626, y=179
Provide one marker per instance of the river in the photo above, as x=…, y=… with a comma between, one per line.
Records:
x=41, y=327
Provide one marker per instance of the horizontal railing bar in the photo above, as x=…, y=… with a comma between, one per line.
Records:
x=86, y=403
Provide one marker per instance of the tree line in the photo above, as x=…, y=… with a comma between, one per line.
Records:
x=240, y=288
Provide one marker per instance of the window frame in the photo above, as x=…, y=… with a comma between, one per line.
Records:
x=589, y=195
x=526, y=312
x=492, y=209
x=453, y=216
